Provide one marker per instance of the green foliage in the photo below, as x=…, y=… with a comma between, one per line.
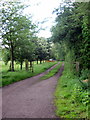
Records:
x=85, y=74
x=58, y=51
x=71, y=100
x=19, y=36
x=80, y=95
x=17, y=33
x=6, y=56
x=72, y=28
x=41, y=50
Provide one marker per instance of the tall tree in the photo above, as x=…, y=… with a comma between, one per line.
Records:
x=16, y=28
x=9, y=21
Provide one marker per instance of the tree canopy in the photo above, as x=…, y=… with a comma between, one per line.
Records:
x=17, y=33
x=72, y=28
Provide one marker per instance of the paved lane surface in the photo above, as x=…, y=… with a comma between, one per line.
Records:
x=30, y=98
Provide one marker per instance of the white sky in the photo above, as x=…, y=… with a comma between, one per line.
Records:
x=42, y=10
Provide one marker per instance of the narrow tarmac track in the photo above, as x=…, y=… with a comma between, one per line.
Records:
x=30, y=98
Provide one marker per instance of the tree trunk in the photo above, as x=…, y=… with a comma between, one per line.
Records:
x=12, y=57
x=31, y=66
x=43, y=61
x=21, y=65
x=26, y=65
x=37, y=61
x=40, y=61
x=10, y=67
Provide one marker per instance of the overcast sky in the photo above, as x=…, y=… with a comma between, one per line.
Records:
x=42, y=10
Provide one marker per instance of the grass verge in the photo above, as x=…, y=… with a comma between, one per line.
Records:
x=11, y=77
x=51, y=73
x=71, y=99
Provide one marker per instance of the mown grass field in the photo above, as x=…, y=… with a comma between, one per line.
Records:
x=71, y=99
x=11, y=77
x=51, y=73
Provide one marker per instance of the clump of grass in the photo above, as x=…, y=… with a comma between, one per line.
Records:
x=51, y=73
x=11, y=77
x=71, y=99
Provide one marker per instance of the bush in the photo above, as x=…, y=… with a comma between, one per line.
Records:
x=85, y=74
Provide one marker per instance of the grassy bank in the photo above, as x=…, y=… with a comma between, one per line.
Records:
x=51, y=73
x=11, y=77
x=71, y=98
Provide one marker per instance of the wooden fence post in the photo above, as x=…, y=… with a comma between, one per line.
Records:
x=77, y=66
